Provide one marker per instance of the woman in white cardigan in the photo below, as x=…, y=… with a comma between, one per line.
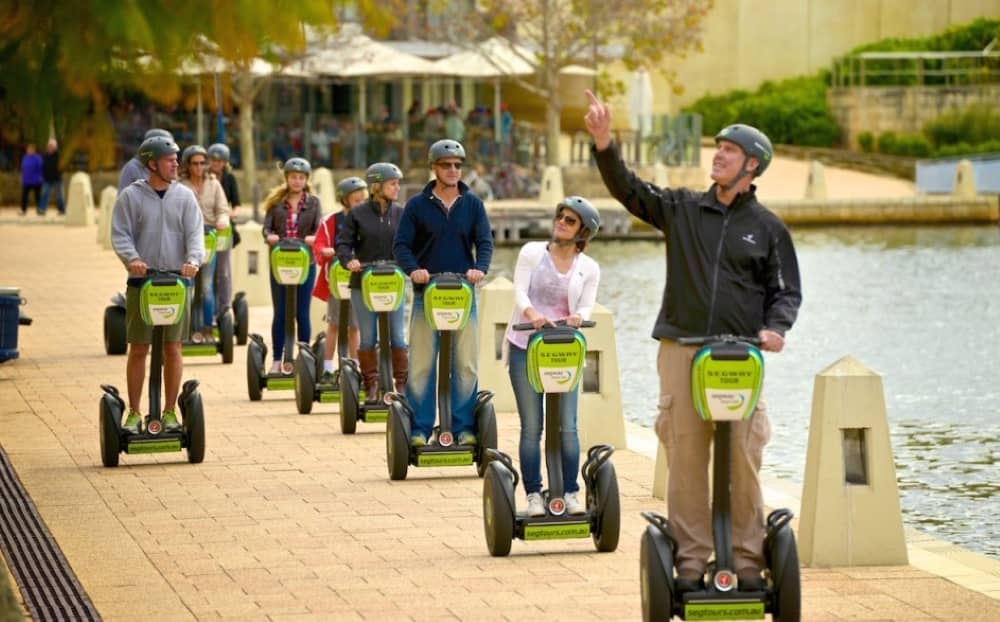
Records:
x=553, y=281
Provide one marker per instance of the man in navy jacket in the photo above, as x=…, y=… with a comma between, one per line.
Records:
x=444, y=229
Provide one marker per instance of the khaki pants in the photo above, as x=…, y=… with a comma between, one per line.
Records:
x=687, y=440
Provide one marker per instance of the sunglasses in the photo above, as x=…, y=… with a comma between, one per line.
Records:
x=446, y=165
x=568, y=219
x=198, y=163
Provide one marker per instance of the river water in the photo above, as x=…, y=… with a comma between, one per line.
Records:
x=920, y=305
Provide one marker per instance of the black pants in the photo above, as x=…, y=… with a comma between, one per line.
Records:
x=25, y=189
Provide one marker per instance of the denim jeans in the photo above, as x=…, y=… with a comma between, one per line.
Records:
x=368, y=323
x=303, y=294
x=207, y=279
x=530, y=407
x=421, y=385
x=223, y=281
x=60, y=203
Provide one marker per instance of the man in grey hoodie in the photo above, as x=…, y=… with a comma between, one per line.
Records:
x=156, y=225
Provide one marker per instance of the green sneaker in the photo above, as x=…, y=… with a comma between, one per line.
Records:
x=466, y=438
x=132, y=421
x=418, y=440
x=170, y=422
x=327, y=379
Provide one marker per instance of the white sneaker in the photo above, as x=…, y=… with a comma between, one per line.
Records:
x=573, y=505
x=276, y=367
x=535, y=505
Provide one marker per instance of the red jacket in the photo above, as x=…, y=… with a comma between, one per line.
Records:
x=326, y=237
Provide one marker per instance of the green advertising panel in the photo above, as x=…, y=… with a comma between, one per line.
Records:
x=161, y=301
x=224, y=239
x=555, y=360
x=444, y=459
x=211, y=239
x=726, y=381
x=339, y=279
x=556, y=531
x=734, y=610
x=153, y=446
x=382, y=288
x=447, y=305
x=290, y=264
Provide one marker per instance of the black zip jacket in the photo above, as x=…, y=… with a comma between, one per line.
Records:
x=367, y=234
x=729, y=269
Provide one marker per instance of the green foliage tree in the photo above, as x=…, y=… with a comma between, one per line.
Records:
x=558, y=33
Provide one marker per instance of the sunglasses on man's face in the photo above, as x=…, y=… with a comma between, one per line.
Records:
x=446, y=165
x=569, y=219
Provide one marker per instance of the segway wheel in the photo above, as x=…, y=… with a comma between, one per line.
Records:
x=241, y=318
x=305, y=387
x=498, y=513
x=319, y=351
x=784, y=562
x=607, y=509
x=397, y=443
x=226, y=338
x=656, y=571
x=486, y=426
x=194, y=428
x=350, y=389
x=255, y=371
x=115, y=331
x=111, y=439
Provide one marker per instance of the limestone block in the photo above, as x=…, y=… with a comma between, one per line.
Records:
x=80, y=201
x=552, y=186
x=493, y=308
x=323, y=187
x=850, y=500
x=965, y=180
x=661, y=177
x=600, y=418
x=816, y=182
x=250, y=265
x=108, y=197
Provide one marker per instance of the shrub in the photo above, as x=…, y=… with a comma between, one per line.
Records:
x=965, y=149
x=867, y=142
x=913, y=145
x=978, y=123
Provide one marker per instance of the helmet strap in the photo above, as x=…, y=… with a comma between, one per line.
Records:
x=743, y=173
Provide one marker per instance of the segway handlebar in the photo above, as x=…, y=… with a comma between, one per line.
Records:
x=700, y=341
x=550, y=326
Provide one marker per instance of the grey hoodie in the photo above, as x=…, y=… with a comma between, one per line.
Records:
x=165, y=233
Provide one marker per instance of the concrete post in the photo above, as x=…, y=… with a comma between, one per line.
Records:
x=816, y=183
x=850, y=501
x=80, y=201
x=493, y=309
x=250, y=265
x=108, y=197
x=599, y=416
x=661, y=176
x=965, y=181
x=323, y=187
x=552, y=186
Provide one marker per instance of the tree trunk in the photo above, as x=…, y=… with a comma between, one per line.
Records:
x=244, y=94
x=553, y=127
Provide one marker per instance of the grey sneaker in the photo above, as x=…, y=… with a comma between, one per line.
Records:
x=132, y=421
x=573, y=505
x=170, y=422
x=466, y=438
x=535, y=505
x=418, y=440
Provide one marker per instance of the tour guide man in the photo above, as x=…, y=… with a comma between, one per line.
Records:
x=731, y=269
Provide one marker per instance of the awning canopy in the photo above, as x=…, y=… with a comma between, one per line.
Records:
x=357, y=56
x=498, y=57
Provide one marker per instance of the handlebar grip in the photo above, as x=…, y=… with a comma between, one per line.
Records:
x=559, y=323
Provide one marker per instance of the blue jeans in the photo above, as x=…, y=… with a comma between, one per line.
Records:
x=223, y=280
x=207, y=278
x=368, y=323
x=43, y=202
x=421, y=385
x=529, y=407
x=303, y=294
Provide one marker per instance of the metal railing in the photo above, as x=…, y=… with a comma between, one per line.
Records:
x=917, y=68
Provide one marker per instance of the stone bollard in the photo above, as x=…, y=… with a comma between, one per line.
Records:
x=816, y=183
x=493, y=308
x=552, y=186
x=600, y=418
x=80, y=201
x=850, y=501
x=965, y=181
x=323, y=187
x=250, y=265
x=108, y=197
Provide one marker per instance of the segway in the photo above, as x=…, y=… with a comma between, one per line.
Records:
x=241, y=310
x=555, y=356
x=309, y=363
x=726, y=378
x=220, y=340
x=162, y=300
x=383, y=287
x=447, y=305
x=290, y=259
x=116, y=326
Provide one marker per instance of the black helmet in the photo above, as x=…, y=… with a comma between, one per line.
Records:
x=157, y=132
x=381, y=172
x=190, y=151
x=297, y=165
x=349, y=185
x=753, y=142
x=589, y=216
x=156, y=147
x=219, y=151
x=446, y=148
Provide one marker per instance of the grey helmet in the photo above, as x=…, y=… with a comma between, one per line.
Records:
x=157, y=132
x=219, y=151
x=590, y=218
x=348, y=185
x=446, y=148
x=381, y=172
x=755, y=144
x=156, y=147
x=297, y=165
x=192, y=150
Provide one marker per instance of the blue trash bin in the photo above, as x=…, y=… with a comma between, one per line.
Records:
x=10, y=308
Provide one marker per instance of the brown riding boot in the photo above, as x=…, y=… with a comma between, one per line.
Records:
x=400, y=368
x=369, y=373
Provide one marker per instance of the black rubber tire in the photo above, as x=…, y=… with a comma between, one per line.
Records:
x=397, y=444
x=241, y=318
x=656, y=575
x=194, y=428
x=319, y=351
x=350, y=387
x=608, y=509
x=226, y=338
x=305, y=385
x=115, y=330
x=785, y=573
x=498, y=516
x=110, y=432
x=255, y=369
x=486, y=429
